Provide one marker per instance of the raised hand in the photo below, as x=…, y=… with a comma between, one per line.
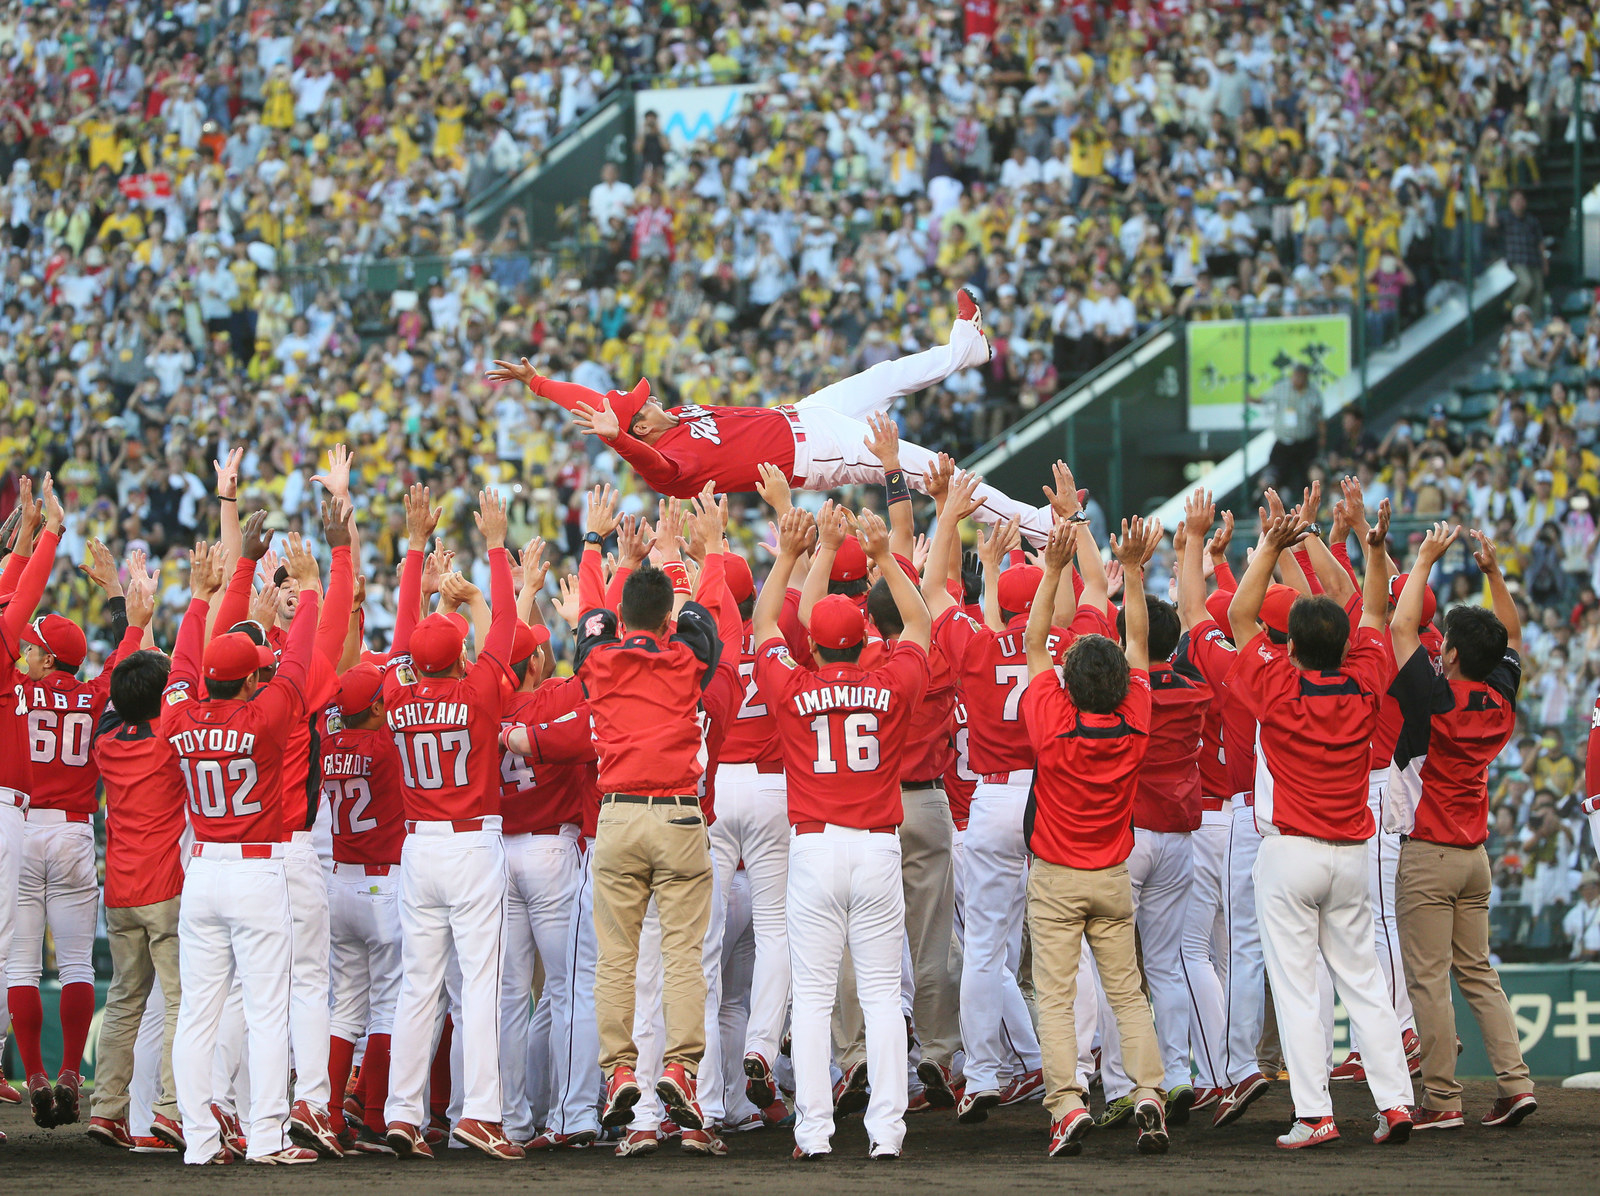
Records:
x=962, y=499
x=140, y=577
x=434, y=566
x=920, y=548
x=1379, y=532
x=301, y=564
x=874, y=536
x=1435, y=544
x=337, y=480
x=1486, y=554
x=567, y=605
x=1355, y=506
x=421, y=516
x=883, y=440
x=141, y=604
x=102, y=569
x=936, y=478
x=336, y=521
x=534, y=567
x=1114, y=578
x=634, y=541
x=1063, y=499
x=457, y=591
x=205, y=577
x=264, y=606
x=773, y=487
x=55, y=517
x=1281, y=531
x=256, y=537
x=491, y=518
x=1311, y=503
x=669, y=527
x=1218, y=547
x=795, y=531
x=602, y=519
x=1129, y=547
x=707, y=520
x=1002, y=538
x=602, y=423
x=228, y=473
x=512, y=371
x=831, y=526
x=1199, y=513
x=358, y=596
x=1060, y=548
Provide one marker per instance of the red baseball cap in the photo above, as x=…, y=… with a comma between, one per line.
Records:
x=741, y=582
x=61, y=637
x=1018, y=585
x=1275, y=607
x=527, y=641
x=626, y=404
x=436, y=643
x=1430, y=604
x=1217, y=607
x=358, y=688
x=837, y=622
x=234, y=656
x=850, y=562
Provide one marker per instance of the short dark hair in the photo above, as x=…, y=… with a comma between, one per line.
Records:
x=223, y=690
x=136, y=685
x=1165, y=627
x=646, y=599
x=840, y=655
x=520, y=667
x=883, y=610
x=747, y=608
x=1479, y=638
x=1097, y=674
x=850, y=589
x=1320, y=630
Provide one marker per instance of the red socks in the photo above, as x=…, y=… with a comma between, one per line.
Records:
x=439, y=1077
x=27, y=1024
x=77, y=1013
x=375, y=1081
x=341, y=1054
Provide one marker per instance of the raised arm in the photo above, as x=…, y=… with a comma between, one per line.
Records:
x=294, y=665
x=794, y=534
x=35, y=575
x=421, y=518
x=228, y=500
x=1065, y=503
x=1276, y=535
x=235, y=604
x=1488, y=558
x=959, y=501
x=491, y=520
x=1058, y=551
x=1199, y=512
x=1137, y=545
x=1217, y=550
x=1375, y=588
x=874, y=536
x=883, y=440
x=602, y=521
x=205, y=579
x=832, y=528
x=1406, y=621
x=335, y=618
x=1002, y=538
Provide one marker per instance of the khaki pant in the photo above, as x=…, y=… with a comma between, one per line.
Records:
x=642, y=851
x=144, y=945
x=1442, y=903
x=929, y=882
x=1065, y=907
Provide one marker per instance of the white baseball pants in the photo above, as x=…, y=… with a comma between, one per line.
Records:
x=364, y=927
x=145, y=1087
x=1311, y=894
x=308, y=985
x=1159, y=871
x=452, y=895
x=576, y=1059
x=753, y=825
x=57, y=884
x=995, y=858
x=1016, y=1023
x=834, y=421
x=845, y=889
x=1244, y=993
x=1383, y=869
x=541, y=878
x=13, y=826
x=738, y=989
x=234, y=921
x=1205, y=949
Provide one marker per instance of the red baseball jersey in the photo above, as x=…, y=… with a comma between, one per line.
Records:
x=62, y=715
x=360, y=769
x=230, y=752
x=1168, y=796
x=1080, y=811
x=144, y=812
x=843, y=729
x=959, y=779
x=1213, y=766
x=546, y=788
x=724, y=445
x=928, y=749
x=1316, y=729
x=1215, y=658
x=1592, y=762
x=752, y=737
x=21, y=587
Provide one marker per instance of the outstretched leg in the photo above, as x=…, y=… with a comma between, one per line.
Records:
x=874, y=389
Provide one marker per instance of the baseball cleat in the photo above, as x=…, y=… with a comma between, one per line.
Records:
x=1204, y=1098
x=1394, y=1127
x=622, y=1093
x=967, y=307
x=1028, y=1086
x=882, y=1154
x=676, y=1090
x=759, y=1085
x=1115, y=1113
x=488, y=1137
x=145, y=1145
x=1067, y=1133
x=223, y=1158
x=313, y=1129
x=289, y=1156
x=1413, y=1046
x=369, y=1141
x=850, y=1093
x=703, y=1142
x=170, y=1132
x=437, y=1132
x=1239, y=1098
x=778, y=1114
x=1151, y=1121
x=112, y=1131
x=66, y=1097
x=233, y=1140
x=1179, y=1101
x=1510, y=1110
x=42, y=1098
x=752, y=1121
x=637, y=1142
x=975, y=1106
x=917, y=1103
x=1436, y=1119
x=938, y=1085
x=1350, y=1069
x=1320, y=1131
x=550, y=1140
x=407, y=1141
x=8, y=1094
x=668, y=1130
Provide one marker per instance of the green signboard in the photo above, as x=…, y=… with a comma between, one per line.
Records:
x=1217, y=352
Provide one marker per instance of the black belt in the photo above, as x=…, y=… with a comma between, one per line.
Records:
x=642, y=799
x=936, y=783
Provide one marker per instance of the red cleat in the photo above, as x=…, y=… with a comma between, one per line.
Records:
x=622, y=1093
x=1067, y=1134
x=112, y=1131
x=1510, y=1110
x=967, y=307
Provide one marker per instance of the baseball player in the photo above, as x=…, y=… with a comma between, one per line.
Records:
x=445, y=717
x=1091, y=731
x=1455, y=723
x=58, y=880
x=22, y=584
x=992, y=672
x=1591, y=804
x=842, y=729
x=360, y=771
x=1311, y=871
x=234, y=918
x=818, y=443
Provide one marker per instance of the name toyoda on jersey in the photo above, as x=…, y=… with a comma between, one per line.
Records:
x=842, y=697
x=421, y=713
x=213, y=739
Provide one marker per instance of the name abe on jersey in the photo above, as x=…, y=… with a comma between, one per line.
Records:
x=40, y=698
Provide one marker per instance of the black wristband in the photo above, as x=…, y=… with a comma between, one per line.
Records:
x=225, y=498
x=894, y=481
x=593, y=538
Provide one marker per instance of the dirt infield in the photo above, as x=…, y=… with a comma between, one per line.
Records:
x=1557, y=1150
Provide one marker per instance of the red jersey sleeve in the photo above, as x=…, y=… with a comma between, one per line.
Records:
x=1212, y=653
x=407, y=602
x=31, y=582
x=1264, y=676
x=335, y=620
x=1368, y=660
x=235, y=604
x=777, y=673
x=955, y=632
x=1592, y=767
x=1135, y=707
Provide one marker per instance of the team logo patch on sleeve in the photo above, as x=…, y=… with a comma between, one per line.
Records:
x=404, y=673
x=780, y=653
x=176, y=695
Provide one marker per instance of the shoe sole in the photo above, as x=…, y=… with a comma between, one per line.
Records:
x=1152, y=1131
x=647, y=1148
x=978, y=1110
x=1108, y=1119
x=402, y=1145
x=1178, y=1108
x=162, y=1134
x=1514, y=1118
x=1311, y=1145
x=1021, y=1098
x=483, y=1145
x=270, y=1161
x=680, y=1110
x=1398, y=1135
x=66, y=1103
x=106, y=1138
x=43, y=1104
x=759, y=1085
x=934, y=1088
x=1237, y=1110
x=303, y=1135
x=1073, y=1145
x=1418, y=1127
x=621, y=1111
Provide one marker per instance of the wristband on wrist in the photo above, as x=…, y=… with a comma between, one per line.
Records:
x=894, y=481
x=594, y=538
x=225, y=498
x=678, y=573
